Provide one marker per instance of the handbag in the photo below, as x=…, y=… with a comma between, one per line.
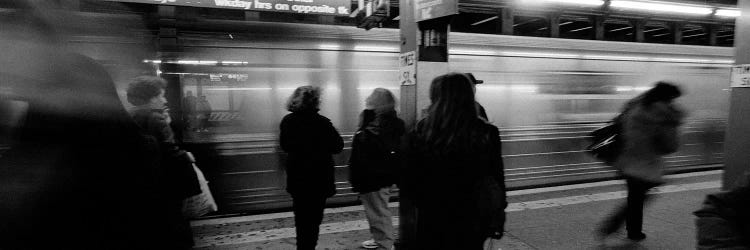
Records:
x=606, y=142
x=200, y=204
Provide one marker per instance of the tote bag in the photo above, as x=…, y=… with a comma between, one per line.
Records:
x=200, y=204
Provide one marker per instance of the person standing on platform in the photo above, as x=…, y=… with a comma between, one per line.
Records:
x=189, y=103
x=310, y=140
x=179, y=180
x=456, y=170
x=374, y=162
x=723, y=222
x=203, y=108
x=649, y=131
x=480, y=110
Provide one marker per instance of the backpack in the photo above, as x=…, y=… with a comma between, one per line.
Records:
x=372, y=162
x=606, y=142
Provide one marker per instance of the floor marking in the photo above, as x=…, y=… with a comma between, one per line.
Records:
x=282, y=215
x=346, y=226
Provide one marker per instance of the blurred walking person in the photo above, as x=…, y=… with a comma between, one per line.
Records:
x=176, y=175
x=374, y=163
x=649, y=131
x=456, y=170
x=310, y=141
x=203, y=110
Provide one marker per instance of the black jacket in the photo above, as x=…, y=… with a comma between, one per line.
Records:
x=376, y=156
x=310, y=139
x=179, y=178
x=460, y=197
x=724, y=222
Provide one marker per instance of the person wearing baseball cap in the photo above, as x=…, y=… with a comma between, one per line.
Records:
x=480, y=110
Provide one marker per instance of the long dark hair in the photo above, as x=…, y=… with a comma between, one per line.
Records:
x=452, y=123
x=661, y=92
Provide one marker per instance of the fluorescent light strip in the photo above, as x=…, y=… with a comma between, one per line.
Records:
x=728, y=12
x=661, y=7
x=580, y=2
x=471, y=52
x=584, y=28
x=329, y=46
x=619, y=29
x=536, y=54
x=485, y=20
x=232, y=89
x=376, y=48
x=233, y=62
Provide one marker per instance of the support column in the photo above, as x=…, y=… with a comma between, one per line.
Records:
x=677, y=32
x=638, y=26
x=554, y=25
x=168, y=46
x=506, y=21
x=737, y=135
x=598, y=23
x=427, y=41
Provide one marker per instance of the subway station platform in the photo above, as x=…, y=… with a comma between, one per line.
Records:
x=562, y=217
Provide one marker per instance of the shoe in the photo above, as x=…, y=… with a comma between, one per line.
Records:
x=636, y=236
x=370, y=244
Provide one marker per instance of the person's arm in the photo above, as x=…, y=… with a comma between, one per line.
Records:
x=335, y=141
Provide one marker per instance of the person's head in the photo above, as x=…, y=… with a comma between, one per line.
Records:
x=189, y=93
x=381, y=100
x=452, y=120
x=661, y=92
x=147, y=91
x=473, y=81
x=203, y=97
x=305, y=98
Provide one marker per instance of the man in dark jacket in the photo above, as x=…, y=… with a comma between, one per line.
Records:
x=309, y=139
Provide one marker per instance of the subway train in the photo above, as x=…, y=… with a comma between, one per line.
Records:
x=545, y=94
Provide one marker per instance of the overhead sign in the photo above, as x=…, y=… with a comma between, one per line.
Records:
x=320, y=7
x=429, y=9
x=407, y=68
x=740, y=77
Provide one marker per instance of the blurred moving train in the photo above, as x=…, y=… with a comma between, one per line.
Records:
x=545, y=95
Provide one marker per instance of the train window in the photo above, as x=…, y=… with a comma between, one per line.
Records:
x=12, y=115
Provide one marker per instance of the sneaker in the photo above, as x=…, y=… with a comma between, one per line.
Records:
x=370, y=244
x=636, y=236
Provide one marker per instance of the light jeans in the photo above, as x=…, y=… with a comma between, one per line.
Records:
x=379, y=216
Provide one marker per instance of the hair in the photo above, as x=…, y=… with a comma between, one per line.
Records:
x=305, y=98
x=452, y=122
x=144, y=88
x=381, y=100
x=662, y=91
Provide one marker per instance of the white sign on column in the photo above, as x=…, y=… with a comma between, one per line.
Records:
x=407, y=68
x=740, y=76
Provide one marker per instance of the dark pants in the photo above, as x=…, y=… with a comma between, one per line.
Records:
x=632, y=212
x=308, y=214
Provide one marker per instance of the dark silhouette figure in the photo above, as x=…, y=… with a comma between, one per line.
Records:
x=374, y=164
x=310, y=141
x=455, y=170
x=177, y=177
x=649, y=131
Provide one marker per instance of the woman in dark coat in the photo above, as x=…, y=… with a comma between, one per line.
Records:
x=374, y=163
x=310, y=140
x=649, y=131
x=456, y=170
x=176, y=175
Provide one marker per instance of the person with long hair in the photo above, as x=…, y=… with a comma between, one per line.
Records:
x=310, y=140
x=374, y=163
x=455, y=170
x=649, y=131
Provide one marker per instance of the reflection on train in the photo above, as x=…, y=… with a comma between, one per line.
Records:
x=545, y=95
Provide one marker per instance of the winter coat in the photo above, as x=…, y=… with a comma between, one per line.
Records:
x=460, y=197
x=376, y=156
x=309, y=139
x=180, y=180
x=724, y=222
x=649, y=132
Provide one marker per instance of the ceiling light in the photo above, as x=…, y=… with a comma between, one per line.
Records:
x=661, y=7
x=580, y=2
x=728, y=12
